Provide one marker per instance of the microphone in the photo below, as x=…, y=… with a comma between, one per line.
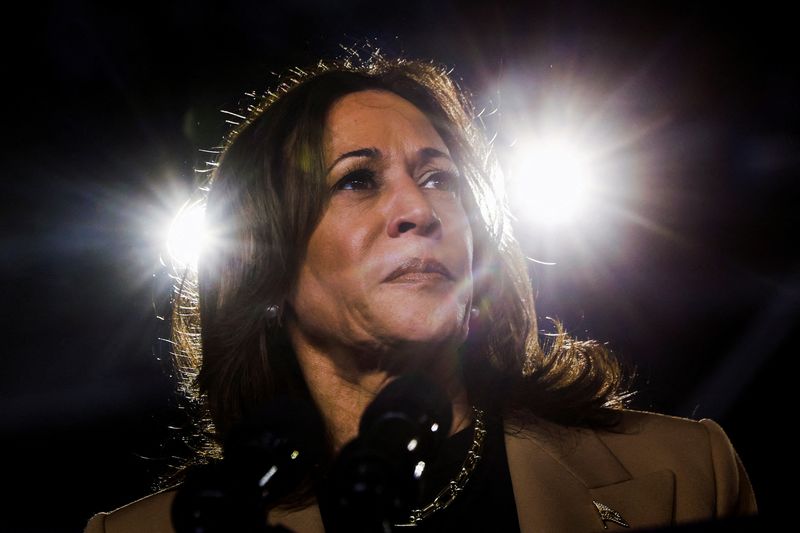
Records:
x=266, y=456
x=377, y=478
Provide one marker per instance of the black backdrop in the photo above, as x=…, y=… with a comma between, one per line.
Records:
x=694, y=279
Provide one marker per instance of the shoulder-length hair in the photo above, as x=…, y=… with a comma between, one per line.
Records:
x=266, y=196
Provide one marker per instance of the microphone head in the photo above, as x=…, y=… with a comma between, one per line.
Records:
x=266, y=456
x=416, y=402
x=275, y=448
x=377, y=477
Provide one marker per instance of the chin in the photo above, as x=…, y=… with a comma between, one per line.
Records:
x=437, y=328
x=438, y=320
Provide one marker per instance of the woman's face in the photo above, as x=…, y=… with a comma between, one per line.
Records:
x=389, y=267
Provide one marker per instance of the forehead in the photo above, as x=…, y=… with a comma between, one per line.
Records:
x=380, y=119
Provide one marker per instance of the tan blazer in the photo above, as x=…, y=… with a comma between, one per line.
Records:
x=653, y=470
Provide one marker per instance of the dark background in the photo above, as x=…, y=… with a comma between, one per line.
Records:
x=689, y=271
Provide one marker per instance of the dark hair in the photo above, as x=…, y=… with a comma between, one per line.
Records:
x=264, y=199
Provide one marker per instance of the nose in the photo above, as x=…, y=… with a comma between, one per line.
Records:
x=411, y=212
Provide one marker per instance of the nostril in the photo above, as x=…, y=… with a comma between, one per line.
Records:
x=406, y=226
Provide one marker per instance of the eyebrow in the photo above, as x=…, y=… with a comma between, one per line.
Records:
x=425, y=154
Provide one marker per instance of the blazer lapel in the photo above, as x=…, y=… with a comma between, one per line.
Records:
x=566, y=479
x=646, y=501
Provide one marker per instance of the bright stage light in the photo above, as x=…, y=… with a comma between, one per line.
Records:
x=187, y=236
x=550, y=180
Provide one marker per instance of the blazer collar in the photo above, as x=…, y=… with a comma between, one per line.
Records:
x=561, y=474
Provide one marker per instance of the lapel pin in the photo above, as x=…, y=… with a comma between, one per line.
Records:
x=607, y=514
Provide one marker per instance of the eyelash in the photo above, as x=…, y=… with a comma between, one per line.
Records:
x=450, y=179
x=359, y=174
x=364, y=175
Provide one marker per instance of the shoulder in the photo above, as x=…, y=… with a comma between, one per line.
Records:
x=636, y=434
x=699, y=447
x=630, y=424
x=150, y=514
x=698, y=453
x=643, y=439
x=662, y=431
x=670, y=429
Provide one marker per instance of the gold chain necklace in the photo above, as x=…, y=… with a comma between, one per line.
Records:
x=451, y=491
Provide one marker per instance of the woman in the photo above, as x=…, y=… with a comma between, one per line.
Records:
x=360, y=234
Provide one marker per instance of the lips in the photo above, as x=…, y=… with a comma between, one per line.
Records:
x=419, y=268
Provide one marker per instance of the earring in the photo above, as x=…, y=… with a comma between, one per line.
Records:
x=475, y=312
x=272, y=311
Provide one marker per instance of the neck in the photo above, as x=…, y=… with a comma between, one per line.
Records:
x=342, y=387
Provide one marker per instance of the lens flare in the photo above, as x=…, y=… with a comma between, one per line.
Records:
x=187, y=236
x=550, y=180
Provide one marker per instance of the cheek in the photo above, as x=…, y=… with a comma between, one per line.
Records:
x=462, y=234
x=468, y=244
x=331, y=265
x=467, y=288
x=468, y=285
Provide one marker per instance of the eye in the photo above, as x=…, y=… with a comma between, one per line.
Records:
x=357, y=180
x=441, y=180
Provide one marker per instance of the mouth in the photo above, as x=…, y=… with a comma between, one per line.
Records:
x=417, y=269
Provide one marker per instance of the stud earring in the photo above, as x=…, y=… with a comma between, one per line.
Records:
x=475, y=312
x=272, y=311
